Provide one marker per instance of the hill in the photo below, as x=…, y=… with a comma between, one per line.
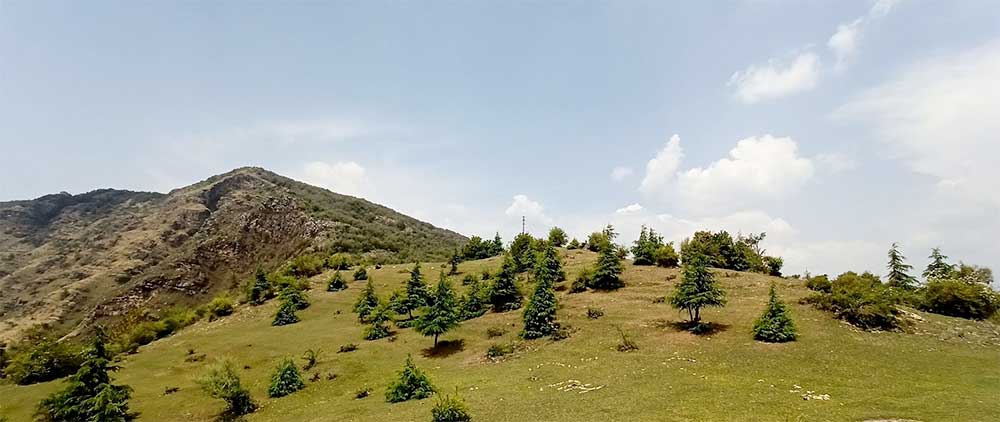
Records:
x=69, y=259
x=940, y=369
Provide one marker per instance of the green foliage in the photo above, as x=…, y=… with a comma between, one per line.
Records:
x=960, y=298
x=378, y=322
x=973, y=274
x=219, y=307
x=499, y=350
x=574, y=244
x=306, y=266
x=583, y=280
x=644, y=248
x=360, y=274
x=899, y=276
x=37, y=360
x=474, y=303
x=443, y=315
x=417, y=293
x=721, y=250
x=594, y=313
x=367, y=302
x=698, y=289
x=540, y=314
x=548, y=258
x=454, y=261
x=411, y=385
x=339, y=262
x=939, y=268
x=861, y=300
x=665, y=256
x=285, y=380
x=477, y=248
x=311, y=356
x=286, y=314
x=89, y=394
x=260, y=290
x=223, y=383
x=607, y=274
x=469, y=279
x=295, y=296
x=775, y=325
x=626, y=344
x=557, y=237
x=599, y=240
x=337, y=282
x=522, y=251
x=157, y=327
x=820, y=283
x=495, y=331
x=450, y=408
x=504, y=294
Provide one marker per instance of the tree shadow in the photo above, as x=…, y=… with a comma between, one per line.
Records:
x=444, y=349
x=697, y=328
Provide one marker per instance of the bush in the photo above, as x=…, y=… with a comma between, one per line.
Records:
x=557, y=237
x=145, y=332
x=775, y=325
x=820, y=283
x=349, y=347
x=219, y=307
x=339, y=262
x=361, y=274
x=626, y=344
x=89, y=395
x=477, y=248
x=721, y=250
x=337, y=283
x=960, y=298
x=495, y=332
x=450, y=409
x=285, y=315
x=412, y=384
x=583, y=280
x=42, y=360
x=861, y=300
x=285, y=380
x=595, y=313
x=305, y=266
x=499, y=350
x=223, y=383
x=666, y=256
x=294, y=296
x=311, y=357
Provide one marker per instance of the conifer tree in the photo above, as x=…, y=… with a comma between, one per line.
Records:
x=698, y=289
x=504, y=294
x=417, y=294
x=285, y=380
x=574, y=244
x=497, y=247
x=557, y=237
x=473, y=304
x=607, y=275
x=443, y=315
x=378, y=321
x=295, y=296
x=899, y=270
x=337, y=283
x=454, y=263
x=549, y=258
x=522, y=251
x=775, y=325
x=939, y=268
x=261, y=289
x=367, y=302
x=222, y=382
x=286, y=314
x=361, y=274
x=540, y=314
x=89, y=394
x=411, y=385
x=646, y=246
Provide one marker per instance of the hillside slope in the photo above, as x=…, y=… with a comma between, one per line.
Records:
x=72, y=258
x=942, y=369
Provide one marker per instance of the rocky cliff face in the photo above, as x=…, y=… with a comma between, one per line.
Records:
x=67, y=260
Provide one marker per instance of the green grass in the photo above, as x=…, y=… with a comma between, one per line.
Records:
x=943, y=369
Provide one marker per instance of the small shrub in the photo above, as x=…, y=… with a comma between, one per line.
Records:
x=486, y=275
x=562, y=332
x=338, y=262
x=361, y=274
x=311, y=357
x=493, y=332
x=411, y=385
x=861, y=300
x=450, y=408
x=285, y=380
x=305, y=266
x=362, y=393
x=285, y=315
x=295, y=296
x=660, y=299
x=349, y=347
x=499, y=350
x=336, y=283
x=45, y=360
x=626, y=344
x=960, y=298
x=469, y=279
x=219, y=307
x=583, y=280
x=820, y=283
x=666, y=256
x=595, y=313
x=223, y=383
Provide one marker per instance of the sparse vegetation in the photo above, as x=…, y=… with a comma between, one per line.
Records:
x=499, y=350
x=450, y=408
x=595, y=313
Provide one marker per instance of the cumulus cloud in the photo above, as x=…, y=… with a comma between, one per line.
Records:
x=531, y=210
x=630, y=209
x=345, y=177
x=835, y=162
x=776, y=79
x=660, y=171
x=620, y=173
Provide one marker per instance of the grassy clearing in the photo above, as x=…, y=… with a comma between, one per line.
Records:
x=944, y=369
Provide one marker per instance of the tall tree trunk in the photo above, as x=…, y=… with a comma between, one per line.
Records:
x=435, y=340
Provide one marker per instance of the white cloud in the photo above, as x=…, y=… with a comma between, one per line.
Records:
x=776, y=79
x=630, y=209
x=531, y=210
x=844, y=42
x=758, y=167
x=620, y=173
x=835, y=162
x=881, y=8
x=345, y=177
x=660, y=171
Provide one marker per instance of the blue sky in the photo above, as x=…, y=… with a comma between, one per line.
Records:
x=836, y=126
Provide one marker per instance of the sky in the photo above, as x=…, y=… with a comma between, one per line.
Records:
x=836, y=127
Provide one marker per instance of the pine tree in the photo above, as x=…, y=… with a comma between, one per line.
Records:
x=775, y=325
x=261, y=289
x=607, y=275
x=899, y=270
x=411, y=385
x=367, y=302
x=557, y=237
x=473, y=304
x=286, y=314
x=378, y=321
x=697, y=289
x=454, y=263
x=646, y=246
x=337, y=283
x=417, y=294
x=361, y=274
x=295, y=296
x=442, y=315
x=522, y=251
x=504, y=294
x=497, y=246
x=89, y=394
x=540, y=314
x=549, y=258
x=939, y=268
x=285, y=380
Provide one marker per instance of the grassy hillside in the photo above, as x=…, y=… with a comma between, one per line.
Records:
x=943, y=369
